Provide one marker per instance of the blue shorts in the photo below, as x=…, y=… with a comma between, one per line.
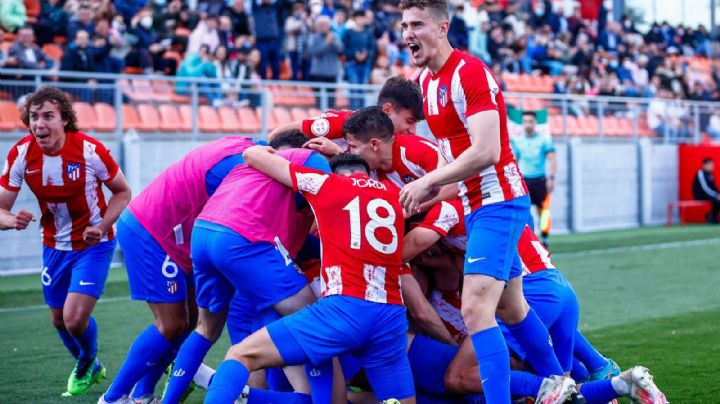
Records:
x=153, y=276
x=493, y=232
x=224, y=261
x=374, y=332
x=554, y=301
x=429, y=360
x=79, y=271
x=240, y=318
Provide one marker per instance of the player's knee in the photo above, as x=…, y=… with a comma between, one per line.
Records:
x=246, y=355
x=454, y=381
x=75, y=325
x=477, y=317
x=511, y=314
x=171, y=329
x=58, y=323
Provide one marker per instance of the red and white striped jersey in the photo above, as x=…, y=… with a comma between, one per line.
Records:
x=412, y=157
x=361, y=229
x=447, y=220
x=66, y=184
x=329, y=124
x=447, y=305
x=463, y=87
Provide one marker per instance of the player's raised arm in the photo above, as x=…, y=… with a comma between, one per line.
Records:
x=263, y=159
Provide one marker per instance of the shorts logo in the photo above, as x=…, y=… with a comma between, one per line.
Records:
x=178, y=373
x=443, y=96
x=320, y=127
x=73, y=171
x=83, y=283
x=315, y=373
x=172, y=287
x=471, y=260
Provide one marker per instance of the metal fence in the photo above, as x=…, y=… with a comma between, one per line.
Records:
x=592, y=118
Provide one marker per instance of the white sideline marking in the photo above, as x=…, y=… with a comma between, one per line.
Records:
x=613, y=250
x=43, y=306
x=638, y=248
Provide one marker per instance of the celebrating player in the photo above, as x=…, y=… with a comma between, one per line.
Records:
x=465, y=110
x=361, y=309
x=65, y=168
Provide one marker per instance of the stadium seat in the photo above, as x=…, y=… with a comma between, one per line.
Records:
x=312, y=112
x=9, y=116
x=86, y=116
x=610, y=125
x=208, y=120
x=162, y=91
x=105, y=114
x=130, y=117
x=170, y=119
x=229, y=120
x=305, y=97
x=298, y=114
x=249, y=122
x=32, y=9
x=186, y=117
x=282, y=116
x=142, y=90
x=573, y=126
x=53, y=51
x=556, y=125
x=625, y=127
x=341, y=100
x=149, y=118
x=271, y=121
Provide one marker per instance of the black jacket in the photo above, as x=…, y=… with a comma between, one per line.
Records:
x=704, y=187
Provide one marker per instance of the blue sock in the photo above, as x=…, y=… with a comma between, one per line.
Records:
x=277, y=381
x=228, y=383
x=588, y=355
x=524, y=384
x=533, y=337
x=146, y=385
x=579, y=372
x=321, y=381
x=149, y=347
x=70, y=342
x=494, y=361
x=187, y=362
x=599, y=392
x=260, y=396
x=88, y=340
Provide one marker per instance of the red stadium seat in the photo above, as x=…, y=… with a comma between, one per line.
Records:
x=149, y=118
x=229, y=120
x=282, y=116
x=271, y=121
x=186, y=117
x=9, y=116
x=169, y=118
x=53, y=51
x=249, y=122
x=86, y=115
x=130, y=117
x=105, y=114
x=208, y=120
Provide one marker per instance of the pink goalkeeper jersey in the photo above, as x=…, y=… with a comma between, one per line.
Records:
x=168, y=206
x=259, y=208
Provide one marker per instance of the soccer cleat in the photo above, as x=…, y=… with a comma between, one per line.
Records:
x=122, y=400
x=151, y=399
x=391, y=401
x=556, y=390
x=610, y=370
x=641, y=387
x=79, y=385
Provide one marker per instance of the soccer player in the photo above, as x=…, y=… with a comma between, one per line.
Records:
x=533, y=151
x=243, y=240
x=465, y=110
x=361, y=228
x=399, y=97
x=65, y=169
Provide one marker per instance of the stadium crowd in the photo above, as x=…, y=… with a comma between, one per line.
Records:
x=359, y=41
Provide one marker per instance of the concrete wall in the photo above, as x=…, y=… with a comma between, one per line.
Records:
x=598, y=186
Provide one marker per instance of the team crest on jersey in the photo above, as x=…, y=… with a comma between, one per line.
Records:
x=407, y=178
x=73, y=171
x=443, y=96
x=172, y=287
x=320, y=127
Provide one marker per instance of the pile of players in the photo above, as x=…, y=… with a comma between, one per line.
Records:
x=350, y=259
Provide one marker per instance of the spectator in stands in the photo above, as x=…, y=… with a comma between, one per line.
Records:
x=51, y=22
x=705, y=189
x=80, y=57
x=82, y=20
x=324, y=49
x=129, y=8
x=458, y=34
x=205, y=33
x=102, y=9
x=298, y=28
x=240, y=20
x=713, y=127
x=227, y=70
x=339, y=19
x=199, y=65
x=478, y=42
x=359, y=50
x=25, y=54
x=381, y=72
x=249, y=63
x=13, y=15
x=143, y=41
x=225, y=32
x=267, y=37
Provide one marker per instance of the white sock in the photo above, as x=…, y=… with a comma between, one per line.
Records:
x=620, y=386
x=203, y=376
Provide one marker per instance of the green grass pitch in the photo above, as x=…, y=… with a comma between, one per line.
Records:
x=648, y=296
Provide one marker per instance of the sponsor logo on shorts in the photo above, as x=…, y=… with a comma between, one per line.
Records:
x=471, y=260
x=83, y=283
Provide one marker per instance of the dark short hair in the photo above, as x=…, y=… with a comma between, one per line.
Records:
x=439, y=8
x=289, y=138
x=529, y=113
x=343, y=160
x=55, y=96
x=707, y=160
x=358, y=13
x=367, y=123
x=402, y=94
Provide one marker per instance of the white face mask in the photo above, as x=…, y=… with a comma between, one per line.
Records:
x=146, y=22
x=316, y=8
